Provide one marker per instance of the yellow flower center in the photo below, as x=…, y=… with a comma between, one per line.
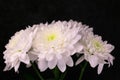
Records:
x=97, y=45
x=51, y=37
x=19, y=50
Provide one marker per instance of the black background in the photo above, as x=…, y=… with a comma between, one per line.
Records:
x=102, y=15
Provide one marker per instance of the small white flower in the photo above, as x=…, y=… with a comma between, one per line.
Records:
x=17, y=48
x=96, y=51
x=56, y=43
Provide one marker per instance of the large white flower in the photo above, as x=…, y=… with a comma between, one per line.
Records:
x=55, y=43
x=96, y=51
x=17, y=48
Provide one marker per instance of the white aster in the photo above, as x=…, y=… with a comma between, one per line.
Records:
x=96, y=51
x=17, y=48
x=55, y=43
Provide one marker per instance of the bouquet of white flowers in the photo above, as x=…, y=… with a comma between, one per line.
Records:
x=52, y=46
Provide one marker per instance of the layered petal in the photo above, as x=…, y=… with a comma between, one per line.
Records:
x=95, y=50
x=93, y=60
x=61, y=65
x=52, y=63
x=57, y=42
x=100, y=68
x=18, y=47
x=42, y=65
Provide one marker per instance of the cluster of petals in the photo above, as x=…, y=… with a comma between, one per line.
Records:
x=95, y=50
x=52, y=45
x=17, y=48
x=56, y=43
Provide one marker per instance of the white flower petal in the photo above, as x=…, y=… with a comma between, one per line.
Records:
x=79, y=48
x=93, y=60
x=110, y=59
x=28, y=65
x=24, y=58
x=49, y=57
x=13, y=58
x=78, y=37
x=58, y=56
x=42, y=65
x=7, y=67
x=100, y=68
x=32, y=57
x=80, y=60
x=41, y=56
x=69, y=61
x=109, y=47
x=61, y=65
x=52, y=63
x=17, y=66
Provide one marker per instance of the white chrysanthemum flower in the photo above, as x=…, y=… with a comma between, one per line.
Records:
x=55, y=43
x=17, y=48
x=96, y=51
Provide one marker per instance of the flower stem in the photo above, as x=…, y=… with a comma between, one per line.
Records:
x=56, y=73
x=37, y=72
x=63, y=75
x=82, y=71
